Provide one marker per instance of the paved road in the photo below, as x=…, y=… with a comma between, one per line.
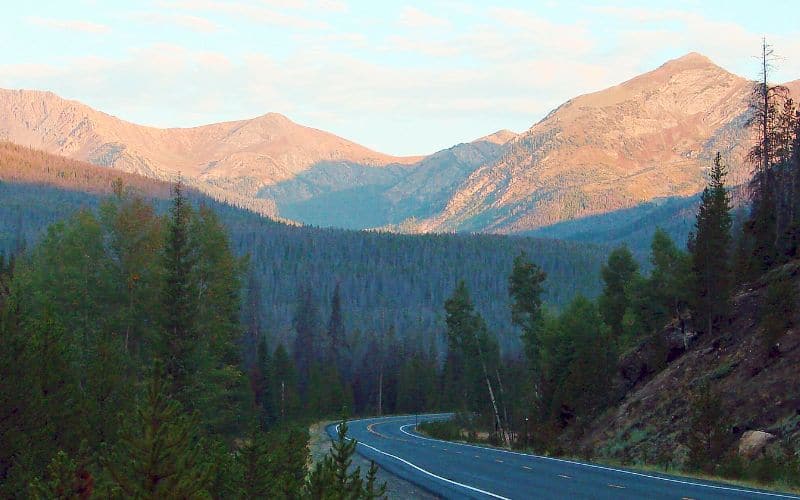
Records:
x=454, y=470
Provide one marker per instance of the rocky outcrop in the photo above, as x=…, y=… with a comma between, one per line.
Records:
x=752, y=443
x=652, y=354
x=652, y=417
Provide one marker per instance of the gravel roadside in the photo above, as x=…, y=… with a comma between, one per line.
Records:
x=320, y=443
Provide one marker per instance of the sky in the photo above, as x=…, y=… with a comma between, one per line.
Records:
x=401, y=77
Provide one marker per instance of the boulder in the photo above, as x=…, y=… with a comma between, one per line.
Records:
x=752, y=443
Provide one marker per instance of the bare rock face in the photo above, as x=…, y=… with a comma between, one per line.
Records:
x=752, y=443
x=651, y=137
x=653, y=353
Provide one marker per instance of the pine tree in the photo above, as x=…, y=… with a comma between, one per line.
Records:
x=257, y=480
x=665, y=294
x=710, y=246
x=372, y=490
x=179, y=335
x=333, y=478
x=525, y=286
x=306, y=326
x=336, y=334
x=620, y=270
x=707, y=428
x=64, y=480
x=468, y=336
x=285, y=391
x=770, y=152
x=158, y=455
x=262, y=385
x=584, y=361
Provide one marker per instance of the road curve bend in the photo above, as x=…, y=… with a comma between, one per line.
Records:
x=456, y=470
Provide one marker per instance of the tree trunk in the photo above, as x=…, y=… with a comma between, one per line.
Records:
x=506, y=441
x=380, y=392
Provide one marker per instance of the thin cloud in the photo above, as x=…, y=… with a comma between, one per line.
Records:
x=259, y=13
x=194, y=23
x=70, y=25
x=416, y=18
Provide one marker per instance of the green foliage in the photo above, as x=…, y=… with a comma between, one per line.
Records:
x=417, y=384
x=778, y=308
x=448, y=430
x=64, y=480
x=525, y=286
x=83, y=315
x=710, y=247
x=333, y=478
x=655, y=300
x=273, y=464
x=472, y=354
x=178, y=345
x=327, y=393
x=581, y=362
x=708, y=432
x=617, y=275
x=158, y=454
x=284, y=388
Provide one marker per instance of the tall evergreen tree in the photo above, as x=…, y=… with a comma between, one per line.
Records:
x=306, y=326
x=767, y=155
x=468, y=337
x=285, y=391
x=526, y=286
x=262, y=384
x=585, y=363
x=179, y=301
x=710, y=246
x=620, y=270
x=158, y=455
x=336, y=335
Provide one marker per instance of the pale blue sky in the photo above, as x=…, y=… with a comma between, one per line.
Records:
x=401, y=77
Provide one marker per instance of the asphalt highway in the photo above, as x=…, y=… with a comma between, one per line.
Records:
x=454, y=470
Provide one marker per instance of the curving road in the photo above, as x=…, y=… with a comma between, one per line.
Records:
x=454, y=470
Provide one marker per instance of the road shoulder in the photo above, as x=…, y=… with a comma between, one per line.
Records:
x=397, y=488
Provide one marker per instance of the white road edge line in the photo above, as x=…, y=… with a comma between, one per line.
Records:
x=472, y=488
x=602, y=467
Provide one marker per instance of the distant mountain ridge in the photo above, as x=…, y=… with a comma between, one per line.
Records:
x=649, y=138
x=236, y=157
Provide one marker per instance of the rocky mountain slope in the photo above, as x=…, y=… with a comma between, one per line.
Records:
x=237, y=157
x=357, y=197
x=626, y=147
x=757, y=384
x=648, y=138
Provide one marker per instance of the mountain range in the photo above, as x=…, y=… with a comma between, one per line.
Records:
x=636, y=144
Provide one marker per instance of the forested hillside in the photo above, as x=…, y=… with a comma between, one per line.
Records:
x=387, y=281
x=239, y=326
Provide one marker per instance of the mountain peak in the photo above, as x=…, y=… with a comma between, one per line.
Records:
x=500, y=137
x=692, y=60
